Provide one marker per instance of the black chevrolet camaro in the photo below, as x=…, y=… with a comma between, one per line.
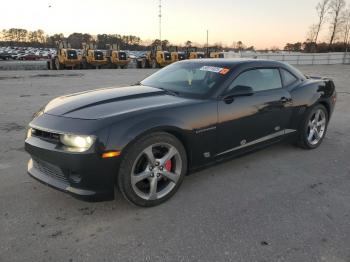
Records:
x=145, y=138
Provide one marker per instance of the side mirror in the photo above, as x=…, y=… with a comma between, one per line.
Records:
x=239, y=91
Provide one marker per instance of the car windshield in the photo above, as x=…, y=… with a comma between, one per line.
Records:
x=188, y=79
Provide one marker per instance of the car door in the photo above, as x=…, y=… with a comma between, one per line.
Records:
x=248, y=120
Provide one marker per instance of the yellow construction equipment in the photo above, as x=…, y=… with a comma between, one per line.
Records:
x=156, y=58
x=92, y=57
x=215, y=53
x=65, y=57
x=192, y=53
x=117, y=58
x=176, y=55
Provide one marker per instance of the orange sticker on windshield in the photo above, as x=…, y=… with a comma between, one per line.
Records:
x=224, y=71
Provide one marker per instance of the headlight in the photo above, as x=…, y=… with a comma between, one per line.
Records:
x=77, y=142
x=29, y=132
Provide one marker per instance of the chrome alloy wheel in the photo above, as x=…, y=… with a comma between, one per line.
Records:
x=316, y=127
x=156, y=171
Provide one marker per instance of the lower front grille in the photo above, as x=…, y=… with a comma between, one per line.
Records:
x=50, y=170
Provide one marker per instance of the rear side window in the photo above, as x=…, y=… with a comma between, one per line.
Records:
x=259, y=79
x=288, y=78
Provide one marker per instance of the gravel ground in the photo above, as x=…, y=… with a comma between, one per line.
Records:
x=279, y=204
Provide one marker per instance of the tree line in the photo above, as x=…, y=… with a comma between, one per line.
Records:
x=38, y=38
x=334, y=14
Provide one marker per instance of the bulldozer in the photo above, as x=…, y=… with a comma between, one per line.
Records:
x=156, y=58
x=117, y=58
x=92, y=57
x=65, y=57
x=193, y=53
x=176, y=55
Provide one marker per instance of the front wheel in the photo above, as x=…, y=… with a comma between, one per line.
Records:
x=313, y=128
x=152, y=169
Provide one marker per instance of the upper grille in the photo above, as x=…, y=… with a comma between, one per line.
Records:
x=72, y=54
x=122, y=55
x=46, y=135
x=50, y=170
x=167, y=56
x=98, y=55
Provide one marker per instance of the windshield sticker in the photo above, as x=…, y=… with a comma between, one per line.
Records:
x=214, y=69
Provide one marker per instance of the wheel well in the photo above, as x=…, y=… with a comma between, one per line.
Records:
x=184, y=142
x=326, y=105
x=181, y=137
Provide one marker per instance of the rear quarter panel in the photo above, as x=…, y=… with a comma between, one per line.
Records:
x=309, y=93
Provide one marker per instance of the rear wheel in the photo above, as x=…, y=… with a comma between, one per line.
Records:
x=313, y=128
x=152, y=169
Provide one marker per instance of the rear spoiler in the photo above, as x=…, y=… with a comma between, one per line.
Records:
x=319, y=78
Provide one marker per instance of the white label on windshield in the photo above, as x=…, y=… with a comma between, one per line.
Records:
x=211, y=69
x=214, y=69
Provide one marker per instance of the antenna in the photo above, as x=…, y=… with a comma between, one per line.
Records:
x=160, y=20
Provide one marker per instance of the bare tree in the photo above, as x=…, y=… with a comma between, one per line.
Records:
x=322, y=10
x=188, y=43
x=312, y=34
x=336, y=7
x=346, y=29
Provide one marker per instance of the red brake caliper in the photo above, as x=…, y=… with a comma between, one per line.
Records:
x=168, y=165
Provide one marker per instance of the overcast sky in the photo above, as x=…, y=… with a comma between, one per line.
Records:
x=262, y=23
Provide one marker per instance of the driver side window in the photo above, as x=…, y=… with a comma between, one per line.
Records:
x=258, y=79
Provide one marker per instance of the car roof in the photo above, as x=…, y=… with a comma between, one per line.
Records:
x=233, y=62
x=244, y=62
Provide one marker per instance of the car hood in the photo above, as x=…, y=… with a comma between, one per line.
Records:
x=108, y=102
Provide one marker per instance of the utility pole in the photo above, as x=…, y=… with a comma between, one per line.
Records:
x=160, y=20
x=207, y=43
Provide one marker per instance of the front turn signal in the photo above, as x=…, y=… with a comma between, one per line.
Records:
x=111, y=154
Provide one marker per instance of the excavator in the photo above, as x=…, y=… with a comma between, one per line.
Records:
x=156, y=58
x=65, y=57
x=117, y=58
x=192, y=53
x=92, y=57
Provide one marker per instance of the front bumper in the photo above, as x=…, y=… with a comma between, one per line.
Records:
x=84, y=175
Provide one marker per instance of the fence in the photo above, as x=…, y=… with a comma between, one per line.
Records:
x=298, y=58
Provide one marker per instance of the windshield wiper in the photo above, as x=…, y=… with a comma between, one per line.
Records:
x=137, y=84
x=169, y=92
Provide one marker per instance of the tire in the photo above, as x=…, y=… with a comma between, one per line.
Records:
x=312, y=131
x=143, y=63
x=161, y=175
x=85, y=64
x=59, y=66
x=154, y=64
x=52, y=64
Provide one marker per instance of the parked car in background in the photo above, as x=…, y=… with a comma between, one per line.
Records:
x=5, y=56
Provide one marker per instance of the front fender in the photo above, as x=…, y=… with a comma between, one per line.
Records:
x=123, y=133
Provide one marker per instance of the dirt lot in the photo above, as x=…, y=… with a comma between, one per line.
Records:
x=280, y=204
